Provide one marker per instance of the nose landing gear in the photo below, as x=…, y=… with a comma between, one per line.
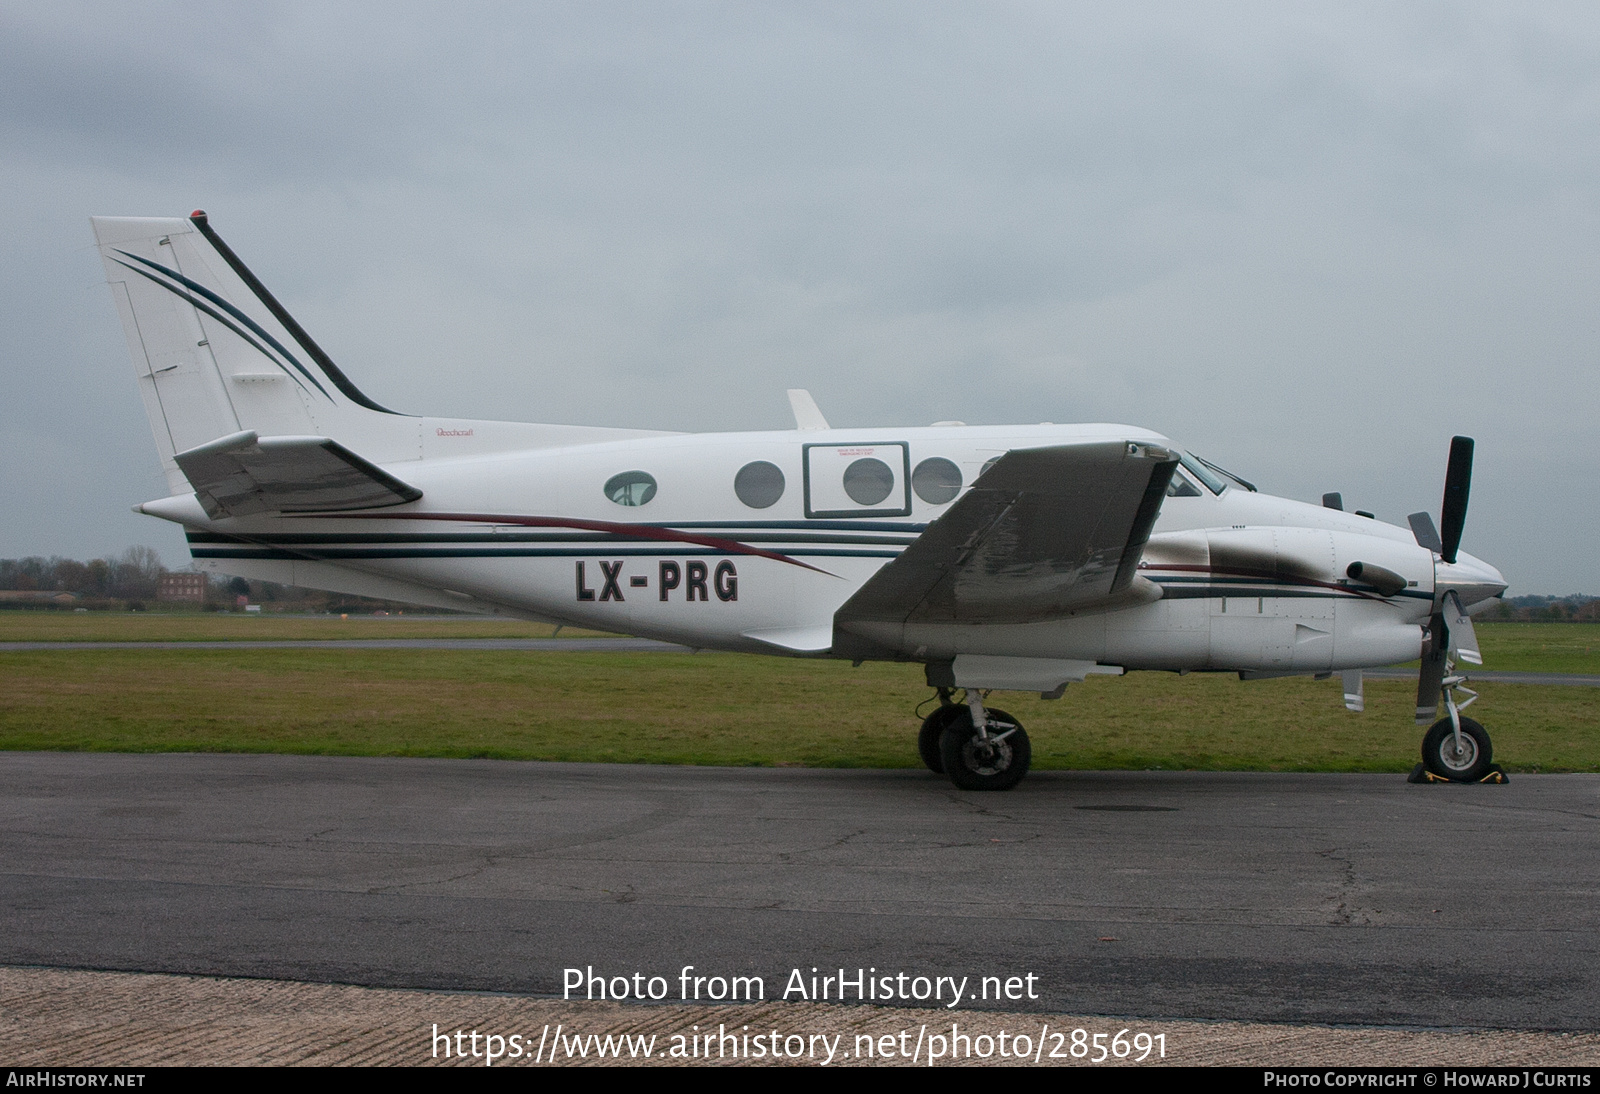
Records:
x=1456, y=748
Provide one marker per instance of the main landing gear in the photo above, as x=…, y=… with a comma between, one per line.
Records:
x=978, y=747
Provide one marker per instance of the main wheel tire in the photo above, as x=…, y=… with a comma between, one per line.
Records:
x=933, y=729
x=1439, y=753
x=976, y=763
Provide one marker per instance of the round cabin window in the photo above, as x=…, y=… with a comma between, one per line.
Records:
x=759, y=484
x=936, y=480
x=631, y=488
x=868, y=481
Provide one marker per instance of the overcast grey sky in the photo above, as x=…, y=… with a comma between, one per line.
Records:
x=1310, y=242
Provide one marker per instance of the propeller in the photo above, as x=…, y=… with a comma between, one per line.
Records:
x=1457, y=485
x=1430, y=681
x=1453, y=513
x=1427, y=535
x=1450, y=633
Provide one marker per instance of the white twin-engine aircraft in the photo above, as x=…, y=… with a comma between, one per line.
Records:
x=1017, y=557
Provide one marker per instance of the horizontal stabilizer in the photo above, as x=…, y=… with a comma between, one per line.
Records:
x=1042, y=532
x=242, y=474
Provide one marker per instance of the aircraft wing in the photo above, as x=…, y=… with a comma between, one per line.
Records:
x=1042, y=532
x=242, y=473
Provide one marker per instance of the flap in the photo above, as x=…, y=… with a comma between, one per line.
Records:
x=1045, y=530
x=1039, y=674
x=242, y=473
x=812, y=639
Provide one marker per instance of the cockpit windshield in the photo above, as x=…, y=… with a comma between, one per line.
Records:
x=1215, y=478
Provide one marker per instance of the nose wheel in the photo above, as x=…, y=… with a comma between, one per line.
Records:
x=1465, y=757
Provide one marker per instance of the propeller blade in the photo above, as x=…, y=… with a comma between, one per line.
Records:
x=1431, y=678
x=1427, y=535
x=1457, y=485
x=1463, y=639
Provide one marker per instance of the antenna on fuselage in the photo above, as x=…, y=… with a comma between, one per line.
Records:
x=807, y=416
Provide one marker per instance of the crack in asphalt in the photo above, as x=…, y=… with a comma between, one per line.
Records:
x=488, y=862
x=1342, y=916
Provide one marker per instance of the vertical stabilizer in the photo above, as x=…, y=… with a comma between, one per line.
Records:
x=215, y=353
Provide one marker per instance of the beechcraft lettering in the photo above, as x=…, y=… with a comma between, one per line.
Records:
x=1022, y=558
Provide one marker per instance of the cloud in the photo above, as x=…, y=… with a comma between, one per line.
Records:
x=1313, y=243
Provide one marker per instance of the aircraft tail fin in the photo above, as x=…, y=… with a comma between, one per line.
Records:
x=215, y=352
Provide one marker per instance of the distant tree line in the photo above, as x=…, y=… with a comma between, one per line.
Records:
x=1546, y=609
x=133, y=575
x=132, y=580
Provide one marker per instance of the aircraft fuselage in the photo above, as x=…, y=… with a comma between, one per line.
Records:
x=1239, y=580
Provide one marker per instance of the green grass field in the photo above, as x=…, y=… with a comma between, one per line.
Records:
x=1540, y=647
x=26, y=626
x=737, y=710
x=1513, y=647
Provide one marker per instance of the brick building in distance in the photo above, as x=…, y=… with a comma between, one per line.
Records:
x=190, y=588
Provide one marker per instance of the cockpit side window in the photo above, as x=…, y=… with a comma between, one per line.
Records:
x=1181, y=487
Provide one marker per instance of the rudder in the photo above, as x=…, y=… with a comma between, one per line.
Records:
x=214, y=352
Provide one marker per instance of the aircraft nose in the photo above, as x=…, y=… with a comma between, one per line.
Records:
x=1472, y=579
